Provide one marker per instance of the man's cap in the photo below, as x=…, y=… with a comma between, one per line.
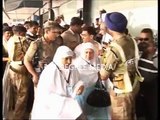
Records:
x=116, y=21
x=52, y=24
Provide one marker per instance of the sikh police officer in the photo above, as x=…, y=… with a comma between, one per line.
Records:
x=41, y=51
x=121, y=66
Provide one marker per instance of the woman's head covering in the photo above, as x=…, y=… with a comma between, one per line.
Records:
x=62, y=52
x=87, y=45
x=116, y=21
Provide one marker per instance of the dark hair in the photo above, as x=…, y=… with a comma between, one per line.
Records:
x=76, y=21
x=33, y=23
x=91, y=30
x=147, y=30
x=126, y=31
x=7, y=28
x=19, y=28
x=26, y=22
x=5, y=24
x=102, y=11
x=97, y=19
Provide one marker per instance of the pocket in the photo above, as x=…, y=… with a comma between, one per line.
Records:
x=119, y=81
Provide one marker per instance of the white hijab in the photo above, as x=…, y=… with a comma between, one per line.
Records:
x=86, y=46
x=88, y=74
x=62, y=52
x=51, y=101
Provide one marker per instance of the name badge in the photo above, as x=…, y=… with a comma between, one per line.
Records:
x=69, y=90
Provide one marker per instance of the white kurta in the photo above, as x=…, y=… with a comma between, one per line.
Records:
x=51, y=101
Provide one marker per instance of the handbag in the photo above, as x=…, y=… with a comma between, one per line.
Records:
x=99, y=97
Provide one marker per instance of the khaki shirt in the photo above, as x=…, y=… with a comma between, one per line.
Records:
x=71, y=39
x=17, y=48
x=46, y=50
x=114, y=64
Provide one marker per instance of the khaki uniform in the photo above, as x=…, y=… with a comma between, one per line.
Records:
x=44, y=50
x=121, y=64
x=17, y=82
x=71, y=39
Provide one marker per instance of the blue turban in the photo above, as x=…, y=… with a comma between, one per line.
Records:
x=116, y=21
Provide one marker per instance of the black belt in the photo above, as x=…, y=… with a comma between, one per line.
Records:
x=17, y=71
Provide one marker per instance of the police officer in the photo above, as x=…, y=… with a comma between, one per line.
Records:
x=16, y=92
x=121, y=66
x=41, y=51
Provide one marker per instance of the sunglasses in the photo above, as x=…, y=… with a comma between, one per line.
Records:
x=143, y=39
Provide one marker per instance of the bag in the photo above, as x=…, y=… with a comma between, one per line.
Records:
x=99, y=97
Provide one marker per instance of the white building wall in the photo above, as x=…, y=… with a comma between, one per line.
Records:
x=69, y=9
x=140, y=13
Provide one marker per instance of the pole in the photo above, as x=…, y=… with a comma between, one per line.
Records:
x=49, y=9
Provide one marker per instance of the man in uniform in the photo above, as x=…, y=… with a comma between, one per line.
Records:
x=17, y=99
x=41, y=51
x=121, y=66
x=31, y=34
x=71, y=37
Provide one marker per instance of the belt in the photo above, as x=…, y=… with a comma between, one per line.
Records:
x=20, y=71
x=116, y=90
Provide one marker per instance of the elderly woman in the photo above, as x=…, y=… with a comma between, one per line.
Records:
x=57, y=86
x=88, y=66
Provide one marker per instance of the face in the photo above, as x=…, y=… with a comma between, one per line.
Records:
x=67, y=61
x=7, y=35
x=89, y=54
x=103, y=29
x=86, y=37
x=22, y=34
x=26, y=26
x=78, y=28
x=39, y=31
x=52, y=34
x=152, y=48
x=145, y=37
x=33, y=29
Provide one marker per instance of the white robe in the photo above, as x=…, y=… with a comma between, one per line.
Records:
x=88, y=74
x=51, y=101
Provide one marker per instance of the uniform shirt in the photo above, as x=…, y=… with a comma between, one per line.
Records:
x=71, y=39
x=115, y=66
x=114, y=61
x=17, y=46
x=46, y=50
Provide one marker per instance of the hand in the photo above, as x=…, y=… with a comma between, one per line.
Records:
x=35, y=79
x=80, y=90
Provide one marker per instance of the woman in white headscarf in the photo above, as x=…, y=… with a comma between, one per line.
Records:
x=56, y=88
x=88, y=65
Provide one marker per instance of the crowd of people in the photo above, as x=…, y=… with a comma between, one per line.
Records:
x=49, y=71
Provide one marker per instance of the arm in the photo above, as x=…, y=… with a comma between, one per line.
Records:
x=28, y=62
x=111, y=64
